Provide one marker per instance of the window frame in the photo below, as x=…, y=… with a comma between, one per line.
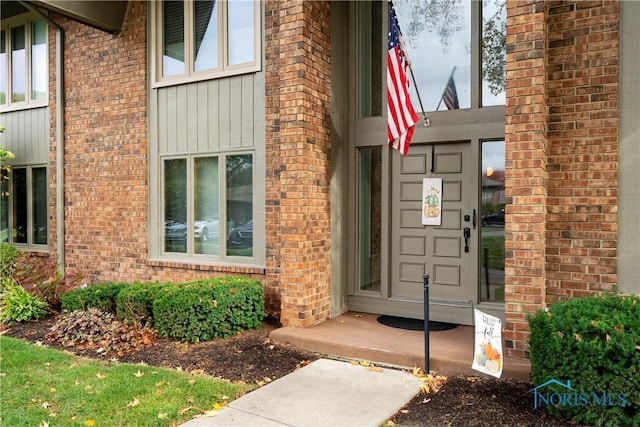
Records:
x=190, y=75
x=190, y=253
x=29, y=245
x=27, y=21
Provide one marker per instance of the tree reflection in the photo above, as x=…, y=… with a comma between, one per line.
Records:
x=446, y=18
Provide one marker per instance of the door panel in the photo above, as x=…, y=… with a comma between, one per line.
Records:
x=439, y=251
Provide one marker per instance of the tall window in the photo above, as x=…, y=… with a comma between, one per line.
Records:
x=492, y=221
x=208, y=210
x=23, y=64
x=199, y=39
x=24, y=207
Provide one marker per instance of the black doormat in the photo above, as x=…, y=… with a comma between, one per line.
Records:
x=414, y=324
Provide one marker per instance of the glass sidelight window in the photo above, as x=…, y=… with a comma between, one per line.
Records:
x=492, y=250
x=369, y=218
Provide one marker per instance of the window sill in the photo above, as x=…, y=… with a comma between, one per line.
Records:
x=199, y=266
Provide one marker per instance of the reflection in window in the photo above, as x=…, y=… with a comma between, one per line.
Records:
x=27, y=200
x=39, y=78
x=173, y=38
x=18, y=65
x=4, y=209
x=240, y=31
x=492, y=221
x=204, y=38
x=206, y=224
x=194, y=188
x=20, y=214
x=369, y=218
x=175, y=205
x=239, y=190
x=438, y=38
x=3, y=68
x=206, y=34
x=494, y=45
x=370, y=57
x=39, y=206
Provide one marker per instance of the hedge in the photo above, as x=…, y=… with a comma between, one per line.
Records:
x=194, y=311
x=209, y=309
x=594, y=344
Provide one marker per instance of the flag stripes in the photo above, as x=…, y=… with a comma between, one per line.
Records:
x=401, y=114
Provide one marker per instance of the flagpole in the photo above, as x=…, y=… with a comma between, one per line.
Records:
x=445, y=87
x=427, y=122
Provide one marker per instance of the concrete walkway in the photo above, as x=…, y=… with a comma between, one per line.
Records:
x=323, y=393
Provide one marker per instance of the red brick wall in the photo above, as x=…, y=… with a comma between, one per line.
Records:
x=106, y=149
x=298, y=76
x=583, y=153
x=562, y=136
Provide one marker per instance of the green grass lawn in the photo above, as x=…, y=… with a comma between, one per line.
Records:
x=495, y=246
x=41, y=386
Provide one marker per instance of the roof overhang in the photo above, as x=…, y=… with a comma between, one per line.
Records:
x=104, y=15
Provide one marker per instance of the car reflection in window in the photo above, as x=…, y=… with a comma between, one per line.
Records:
x=241, y=236
x=495, y=219
x=175, y=230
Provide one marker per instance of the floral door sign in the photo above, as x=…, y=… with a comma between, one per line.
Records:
x=431, y=201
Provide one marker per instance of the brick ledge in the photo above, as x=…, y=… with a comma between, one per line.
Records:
x=184, y=265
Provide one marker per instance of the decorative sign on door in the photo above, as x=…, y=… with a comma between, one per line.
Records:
x=431, y=201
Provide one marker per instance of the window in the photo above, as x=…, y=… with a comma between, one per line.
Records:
x=23, y=64
x=203, y=39
x=24, y=207
x=457, y=50
x=208, y=210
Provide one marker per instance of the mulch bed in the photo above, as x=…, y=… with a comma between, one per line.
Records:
x=253, y=357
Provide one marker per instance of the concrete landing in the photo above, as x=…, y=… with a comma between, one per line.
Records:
x=360, y=336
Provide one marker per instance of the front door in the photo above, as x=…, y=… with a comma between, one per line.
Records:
x=448, y=252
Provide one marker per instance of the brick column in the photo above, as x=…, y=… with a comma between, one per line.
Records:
x=583, y=94
x=526, y=170
x=298, y=86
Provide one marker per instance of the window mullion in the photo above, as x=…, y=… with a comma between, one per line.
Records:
x=189, y=43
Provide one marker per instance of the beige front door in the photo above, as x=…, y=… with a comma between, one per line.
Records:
x=448, y=252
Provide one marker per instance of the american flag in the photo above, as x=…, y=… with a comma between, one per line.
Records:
x=401, y=115
x=450, y=95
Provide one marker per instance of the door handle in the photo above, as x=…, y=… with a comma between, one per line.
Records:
x=473, y=221
x=467, y=235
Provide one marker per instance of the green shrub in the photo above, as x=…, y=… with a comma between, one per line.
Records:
x=209, y=309
x=594, y=343
x=102, y=297
x=9, y=256
x=18, y=305
x=134, y=303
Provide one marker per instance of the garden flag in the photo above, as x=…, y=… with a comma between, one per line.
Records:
x=402, y=118
x=487, y=355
